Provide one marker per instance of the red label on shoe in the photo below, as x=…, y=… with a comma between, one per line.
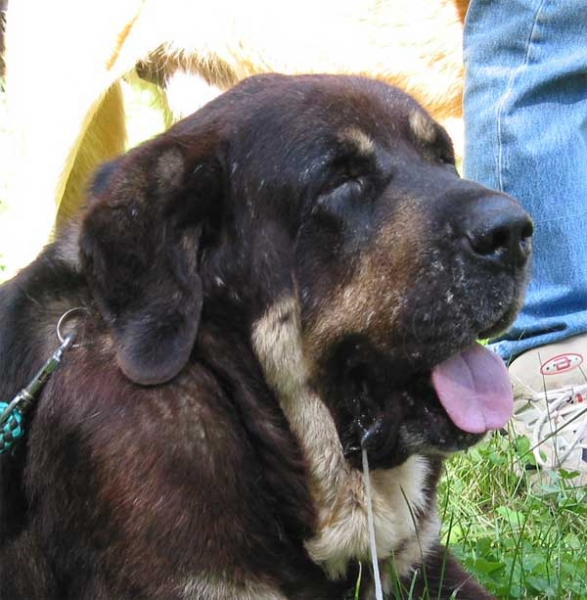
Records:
x=561, y=363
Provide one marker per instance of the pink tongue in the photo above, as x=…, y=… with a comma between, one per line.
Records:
x=474, y=389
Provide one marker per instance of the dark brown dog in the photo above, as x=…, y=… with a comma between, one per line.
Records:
x=293, y=271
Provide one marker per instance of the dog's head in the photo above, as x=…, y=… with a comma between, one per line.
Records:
x=337, y=198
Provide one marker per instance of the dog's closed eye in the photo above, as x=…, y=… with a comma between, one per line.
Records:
x=335, y=200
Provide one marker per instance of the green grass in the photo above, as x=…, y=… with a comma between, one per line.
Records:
x=517, y=543
x=519, y=537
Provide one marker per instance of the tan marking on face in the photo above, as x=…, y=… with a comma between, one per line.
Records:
x=354, y=307
x=337, y=489
x=361, y=140
x=422, y=127
x=372, y=300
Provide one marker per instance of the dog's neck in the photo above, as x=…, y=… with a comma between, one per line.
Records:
x=337, y=489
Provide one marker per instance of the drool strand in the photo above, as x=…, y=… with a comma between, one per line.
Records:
x=376, y=575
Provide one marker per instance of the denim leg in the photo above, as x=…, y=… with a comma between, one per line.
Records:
x=525, y=110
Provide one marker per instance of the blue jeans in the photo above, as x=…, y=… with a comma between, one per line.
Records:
x=525, y=113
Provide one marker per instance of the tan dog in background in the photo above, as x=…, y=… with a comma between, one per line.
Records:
x=65, y=61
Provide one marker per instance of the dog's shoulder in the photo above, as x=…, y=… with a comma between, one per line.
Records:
x=212, y=437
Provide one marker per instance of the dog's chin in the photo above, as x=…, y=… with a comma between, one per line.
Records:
x=407, y=422
x=395, y=411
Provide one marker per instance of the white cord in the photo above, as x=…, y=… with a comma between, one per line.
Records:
x=376, y=575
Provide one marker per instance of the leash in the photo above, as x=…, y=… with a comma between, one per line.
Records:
x=12, y=414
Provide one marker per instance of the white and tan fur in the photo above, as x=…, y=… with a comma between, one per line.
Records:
x=338, y=490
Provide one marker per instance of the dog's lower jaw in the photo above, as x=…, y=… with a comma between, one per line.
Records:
x=406, y=523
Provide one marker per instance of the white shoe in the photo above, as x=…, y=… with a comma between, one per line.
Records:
x=550, y=404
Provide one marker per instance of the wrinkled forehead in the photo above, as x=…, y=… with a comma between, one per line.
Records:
x=276, y=128
x=336, y=101
x=354, y=111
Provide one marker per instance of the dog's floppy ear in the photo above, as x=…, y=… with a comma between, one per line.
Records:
x=140, y=246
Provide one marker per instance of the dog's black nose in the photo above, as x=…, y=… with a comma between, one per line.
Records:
x=500, y=230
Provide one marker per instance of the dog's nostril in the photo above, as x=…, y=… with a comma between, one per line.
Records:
x=500, y=239
x=500, y=230
x=489, y=242
x=526, y=238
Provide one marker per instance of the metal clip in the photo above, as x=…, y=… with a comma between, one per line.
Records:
x=24, y=399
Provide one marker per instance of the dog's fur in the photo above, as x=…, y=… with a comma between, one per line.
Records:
x=282, y=261
x=65, y=61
